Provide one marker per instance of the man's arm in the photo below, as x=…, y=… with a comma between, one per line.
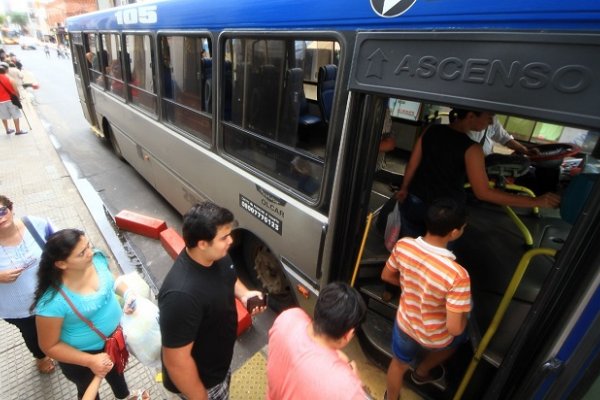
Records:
x=243, y=294
x=519, y=148
x=183, y=371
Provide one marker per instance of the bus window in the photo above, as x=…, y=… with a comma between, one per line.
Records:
x=263, y=99
x=94, y=59
x=113, y=71
x=186, y=75
x=140, y=72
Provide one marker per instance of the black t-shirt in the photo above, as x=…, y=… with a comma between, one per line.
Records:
x=197, y=304
x=442, y=171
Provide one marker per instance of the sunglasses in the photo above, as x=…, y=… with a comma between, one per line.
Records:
x=3, y=211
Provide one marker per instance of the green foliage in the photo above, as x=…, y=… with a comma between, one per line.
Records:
x=19, y=18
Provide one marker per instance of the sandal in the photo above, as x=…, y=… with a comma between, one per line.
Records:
x=140, y=394
x=45, y=365
x=436, y=374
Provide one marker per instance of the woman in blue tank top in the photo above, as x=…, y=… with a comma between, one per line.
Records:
x=70, y=264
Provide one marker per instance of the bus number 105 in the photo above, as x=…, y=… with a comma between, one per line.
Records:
x=141, y=15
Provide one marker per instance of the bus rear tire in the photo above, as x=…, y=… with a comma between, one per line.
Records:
x=266, y=272
x=108, y=133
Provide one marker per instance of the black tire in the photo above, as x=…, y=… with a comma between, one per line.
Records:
x=110, y=137
x=266, y=273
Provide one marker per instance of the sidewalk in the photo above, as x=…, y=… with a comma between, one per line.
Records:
x=35, y=179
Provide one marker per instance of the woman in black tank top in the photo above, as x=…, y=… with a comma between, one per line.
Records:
x=443, y=159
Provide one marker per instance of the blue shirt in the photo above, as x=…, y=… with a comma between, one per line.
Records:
x=101, y=308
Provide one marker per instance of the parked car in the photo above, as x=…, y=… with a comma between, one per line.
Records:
x=28, y=43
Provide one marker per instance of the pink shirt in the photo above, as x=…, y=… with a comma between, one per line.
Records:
x=299, y=368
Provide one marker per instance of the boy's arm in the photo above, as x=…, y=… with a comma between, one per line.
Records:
x=456, y=322
x=390, y=275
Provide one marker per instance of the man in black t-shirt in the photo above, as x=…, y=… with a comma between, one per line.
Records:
x=198, y=319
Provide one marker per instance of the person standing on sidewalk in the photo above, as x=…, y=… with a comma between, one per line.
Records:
x=73, y=276
x=198, y=318
x=7, y=108
x=305, y=358
x=19, y=262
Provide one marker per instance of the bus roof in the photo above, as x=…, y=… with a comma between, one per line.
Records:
x=573, y=15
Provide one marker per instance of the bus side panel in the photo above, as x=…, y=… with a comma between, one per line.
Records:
x=194, y=173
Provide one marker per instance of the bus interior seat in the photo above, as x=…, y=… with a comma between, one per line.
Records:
x=325, y=89
x=290, y=113
x=575, y=196
x=206, y=84
x=263, y=100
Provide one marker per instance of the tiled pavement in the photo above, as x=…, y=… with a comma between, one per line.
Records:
x=34, y=178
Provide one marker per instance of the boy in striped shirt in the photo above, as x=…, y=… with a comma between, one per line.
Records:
x=435, y=299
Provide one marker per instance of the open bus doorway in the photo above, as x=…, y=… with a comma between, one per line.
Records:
x=495, y=241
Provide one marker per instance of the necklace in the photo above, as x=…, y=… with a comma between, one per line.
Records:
x=20, y=256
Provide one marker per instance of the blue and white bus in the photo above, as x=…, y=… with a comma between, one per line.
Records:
x=274, y=109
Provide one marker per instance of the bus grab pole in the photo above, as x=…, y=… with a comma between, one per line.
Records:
x=504, y=303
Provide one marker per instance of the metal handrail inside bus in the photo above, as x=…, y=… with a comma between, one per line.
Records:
x=499, y=315
x=362, y=247
x=513, y=216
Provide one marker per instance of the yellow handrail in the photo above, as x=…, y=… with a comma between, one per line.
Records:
x=504, y=303
x=362, y=248
x=513, y=216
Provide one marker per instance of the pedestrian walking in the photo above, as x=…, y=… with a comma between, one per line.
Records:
x=19, y=263
x=7, y=109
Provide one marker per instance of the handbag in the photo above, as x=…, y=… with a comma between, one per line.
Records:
x=13, y=97
x=114, y=345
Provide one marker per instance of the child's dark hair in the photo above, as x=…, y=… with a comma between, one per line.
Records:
x=339, y=308
x=59, y=247
x=444, y=215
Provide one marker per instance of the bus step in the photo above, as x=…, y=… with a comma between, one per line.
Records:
x=376, y=335
x=370, y=271
x=375, y=291
x=489, y=355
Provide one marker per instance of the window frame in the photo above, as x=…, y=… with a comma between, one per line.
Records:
x=166, y=102
x=127, y=78
x=327, y=162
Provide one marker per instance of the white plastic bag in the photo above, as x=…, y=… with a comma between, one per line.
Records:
x=392, y=228
x=136, y=282
x=142, y=332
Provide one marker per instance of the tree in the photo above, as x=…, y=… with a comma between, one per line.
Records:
x=19, y=18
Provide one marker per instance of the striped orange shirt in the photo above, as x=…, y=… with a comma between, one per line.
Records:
x=431, y=282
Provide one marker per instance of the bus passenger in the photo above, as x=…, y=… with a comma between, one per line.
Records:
x=305, y=359
x=435, y=298
x=495, y=133
x=198, y=318
x=443, y=159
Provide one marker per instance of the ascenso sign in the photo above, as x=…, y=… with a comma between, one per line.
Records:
x=567, y=78
x=137, y=15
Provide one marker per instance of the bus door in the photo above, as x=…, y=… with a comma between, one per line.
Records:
x=538, y=342
x=82, y=79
